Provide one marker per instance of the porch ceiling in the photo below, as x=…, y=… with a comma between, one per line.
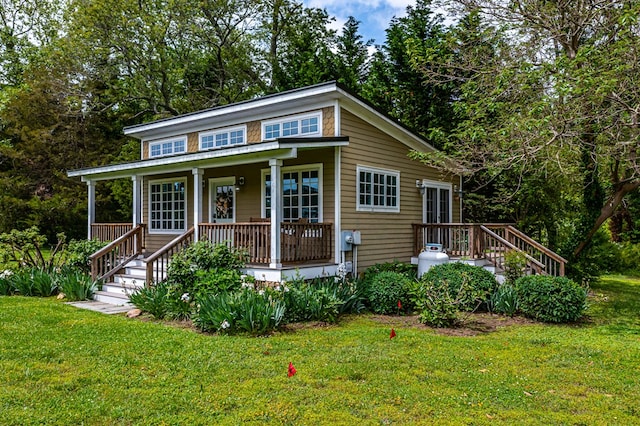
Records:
x=284, y=148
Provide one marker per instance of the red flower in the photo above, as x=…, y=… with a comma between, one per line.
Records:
x=393, y=334
x=399, y=305
x=292, y=370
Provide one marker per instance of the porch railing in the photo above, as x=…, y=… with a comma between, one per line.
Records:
x=109, y=231
x=474, y=241
x=300, y=242
x=111, y=258
x=158, y=262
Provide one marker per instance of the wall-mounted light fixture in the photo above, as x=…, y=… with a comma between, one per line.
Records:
x=457, y=192
x=241, y=181
x=420, y=185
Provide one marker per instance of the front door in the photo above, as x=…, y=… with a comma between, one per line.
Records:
x=437, y=209
x=222, y=205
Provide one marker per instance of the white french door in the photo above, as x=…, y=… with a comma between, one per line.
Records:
x=437, y=203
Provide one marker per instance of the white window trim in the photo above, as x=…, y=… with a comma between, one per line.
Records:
x=377, y=209
x=296, y=117
x=182, y=138
x=186, y=208
x=304, y=167
x=216, y=132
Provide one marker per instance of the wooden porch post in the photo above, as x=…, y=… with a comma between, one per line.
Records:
x=91, y=206
x=276, y=212
x=197, y=202
x=137, y=200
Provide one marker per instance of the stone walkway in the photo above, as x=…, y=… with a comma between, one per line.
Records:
x=105, y=308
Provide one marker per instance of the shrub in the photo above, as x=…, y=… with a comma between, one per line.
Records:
x=216, y=265
x=6, y=286
x=306, y=302
x=478, y=283
x=27, y=248
x=153, y=299
x=76, y=285
x=257, y=313
x=505, y=300
x=551, y=299
x=79, y=251
x=435, y=304
x=33, y=282
x=515, y=263
x=388, y=288
x=349, y=292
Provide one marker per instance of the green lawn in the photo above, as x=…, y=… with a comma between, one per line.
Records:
x=61, y=365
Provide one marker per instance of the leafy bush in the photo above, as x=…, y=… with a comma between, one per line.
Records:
x=257, y=313
x=79, y=251
x=388, y=288
x=153, y=299
x=215, y=265
x=6, y=286
x=27, y=247
x=515, y=263
x=505, y=300
x=305, y=302
x=33, y=282
x=435, y=304
x=629, y=255
x=350, y=293
x=551, y=299
x=216, y=281
x=479, y=284
x=76, y=285
x=407, y=269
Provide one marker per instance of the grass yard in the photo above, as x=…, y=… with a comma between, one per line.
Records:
x=61, y=365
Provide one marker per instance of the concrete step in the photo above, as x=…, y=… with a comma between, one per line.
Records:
x=112, y=298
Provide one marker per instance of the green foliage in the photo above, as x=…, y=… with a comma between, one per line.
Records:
x=505, y=300
x=629, y=258
x=33, y=282
x=6, y=284
x=76, y=285
x=204, y=267
x=435, y=303
x=306, y=302
x=79, y=251
x=470, y=285
x=153, y=299
x=551, y=299
x=27, y=248
x=386, y=290
x=515, y=263
x=216, y=280
x=350, y=293
x=249, y=311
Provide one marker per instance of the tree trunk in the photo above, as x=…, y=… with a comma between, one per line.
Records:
x=608, y=210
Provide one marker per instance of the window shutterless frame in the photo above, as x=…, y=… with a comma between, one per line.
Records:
x=166, y=147
x=168, y=206
x=377, y=190
x=299, y=125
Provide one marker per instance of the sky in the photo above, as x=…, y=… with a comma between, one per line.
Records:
x=374, y=15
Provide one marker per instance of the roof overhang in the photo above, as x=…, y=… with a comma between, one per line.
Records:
x=246, y=154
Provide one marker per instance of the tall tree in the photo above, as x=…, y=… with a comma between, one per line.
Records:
x=562, y=96
x=352, y=56
x=398, y=88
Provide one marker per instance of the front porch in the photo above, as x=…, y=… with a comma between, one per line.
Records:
x=301, y=248
x=488, y=242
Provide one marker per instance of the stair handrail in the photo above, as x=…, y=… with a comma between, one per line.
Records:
x=541, y=266
x=156, y=263
x=544, y=250
x=112, y=257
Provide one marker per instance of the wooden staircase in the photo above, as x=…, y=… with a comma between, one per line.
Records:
x=121, y=284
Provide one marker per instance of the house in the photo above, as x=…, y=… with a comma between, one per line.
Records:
x=303, y=180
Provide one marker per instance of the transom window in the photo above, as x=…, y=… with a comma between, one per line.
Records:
x=167, y=206
x=222, y=138
x=301, y=196
x=378, y=190
x=167, y=147
x=298, y=125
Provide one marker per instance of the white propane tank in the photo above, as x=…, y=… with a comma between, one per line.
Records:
x=432, y=255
